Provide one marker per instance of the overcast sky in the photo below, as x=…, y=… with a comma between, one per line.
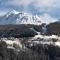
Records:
x=39, y=7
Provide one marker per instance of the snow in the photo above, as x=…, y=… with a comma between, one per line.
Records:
x=13, y=12
x=38, y=36
x=29, y=19
x=10, y=43
x=57, y=43
x=45, y=37
x=14, y=17
x=45, y=40
x=16, y=12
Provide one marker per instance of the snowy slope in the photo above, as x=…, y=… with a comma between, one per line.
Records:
x=14, y=17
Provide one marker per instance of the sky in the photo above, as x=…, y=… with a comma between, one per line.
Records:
x=40, y=7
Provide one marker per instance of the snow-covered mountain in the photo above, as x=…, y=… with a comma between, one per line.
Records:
x=14, y=17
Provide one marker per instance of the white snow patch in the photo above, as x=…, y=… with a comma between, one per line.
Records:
x=57, y=43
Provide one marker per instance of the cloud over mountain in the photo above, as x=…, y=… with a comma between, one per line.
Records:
x=51, y=7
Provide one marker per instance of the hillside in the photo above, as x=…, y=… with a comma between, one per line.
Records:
x=54, y=28
x=21, y=30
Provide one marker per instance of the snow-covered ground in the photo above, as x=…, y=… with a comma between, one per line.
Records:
x=57, y=43
x=45, y=37
x=13, y=43
x=16, y=43
x=41, y=39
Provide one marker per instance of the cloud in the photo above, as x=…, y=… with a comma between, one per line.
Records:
x=51, y=7
x=46, y=18
x=2, y=13
x=42, y=5
x=38, y=3
x=20, y=2
x=46, y=3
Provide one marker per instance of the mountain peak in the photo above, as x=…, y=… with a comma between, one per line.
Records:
x=14, y=17
x=13, y=11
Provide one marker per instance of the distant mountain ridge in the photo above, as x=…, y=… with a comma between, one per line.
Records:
x=14, y=17
x=24, y=24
